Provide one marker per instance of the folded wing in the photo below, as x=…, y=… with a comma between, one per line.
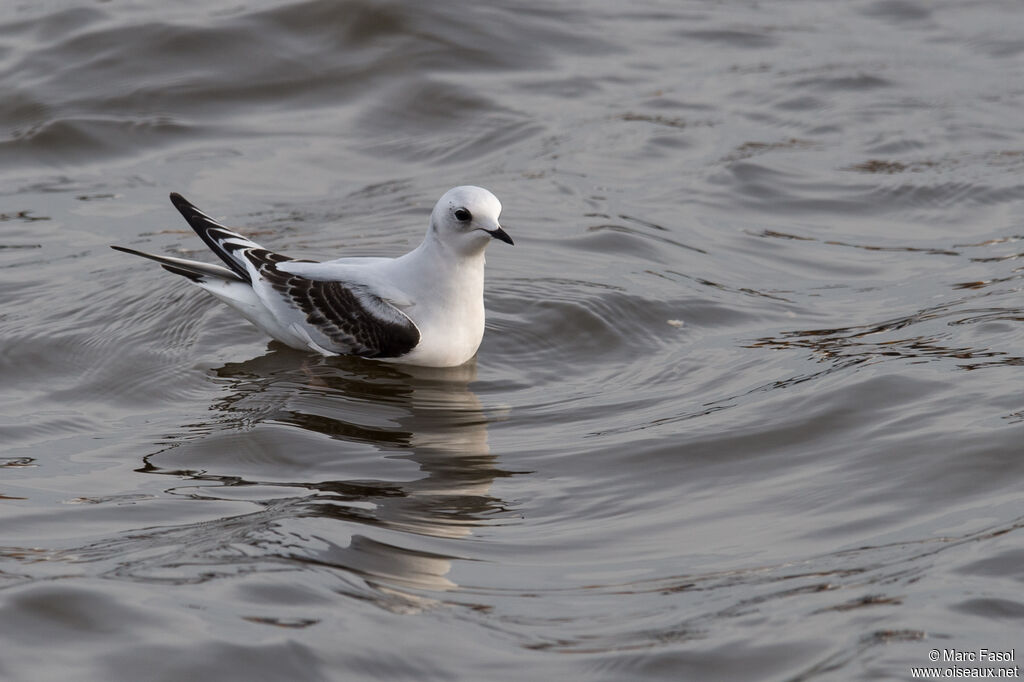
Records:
x=349, y=316
x=330, y=316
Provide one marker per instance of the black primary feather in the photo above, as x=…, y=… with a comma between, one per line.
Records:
x=194, y=270
x=220, y=239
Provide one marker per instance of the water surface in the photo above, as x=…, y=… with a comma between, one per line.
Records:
x=749, y=402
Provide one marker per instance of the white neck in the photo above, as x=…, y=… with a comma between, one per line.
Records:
x=455, y=309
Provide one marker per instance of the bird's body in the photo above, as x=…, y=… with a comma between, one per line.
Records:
x=423, y=308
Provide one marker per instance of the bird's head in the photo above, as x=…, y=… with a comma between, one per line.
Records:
x=466, y=219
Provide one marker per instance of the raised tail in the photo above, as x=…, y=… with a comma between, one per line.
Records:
x=195, y=270
x=221, y=240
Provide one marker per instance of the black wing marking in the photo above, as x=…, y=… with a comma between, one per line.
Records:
x=351, y=317
x=194, y=270
x=220, y=239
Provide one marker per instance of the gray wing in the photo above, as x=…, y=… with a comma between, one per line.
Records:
x=355, y=320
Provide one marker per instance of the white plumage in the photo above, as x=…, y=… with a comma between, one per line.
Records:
x=423, y=308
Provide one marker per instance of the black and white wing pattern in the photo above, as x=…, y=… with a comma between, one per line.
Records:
x=353, y=319
x=326, y=315
x=195, y=270
x=222, y=241
x=227, y=244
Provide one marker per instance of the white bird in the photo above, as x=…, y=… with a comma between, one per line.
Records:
x=423, y=308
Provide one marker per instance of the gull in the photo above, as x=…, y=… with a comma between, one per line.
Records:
x=424, y=308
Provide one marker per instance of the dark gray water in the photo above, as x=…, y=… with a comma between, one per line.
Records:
x=749, y=405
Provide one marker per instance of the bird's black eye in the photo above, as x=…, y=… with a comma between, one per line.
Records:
x=463, y=215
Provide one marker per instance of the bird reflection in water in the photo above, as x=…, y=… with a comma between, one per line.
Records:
x=427, y=416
